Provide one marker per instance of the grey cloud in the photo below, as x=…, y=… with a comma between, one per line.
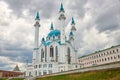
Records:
x=46, y=8
x=78, y=7
x=107, y=21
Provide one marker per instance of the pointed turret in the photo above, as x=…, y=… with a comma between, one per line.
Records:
x=36, y=41
x=72, y=22
x=73, y=29
x=62, y=11
x=16, y=68
x=37, y=16
x=62, y=23
x=61, y=8
x=51, y=27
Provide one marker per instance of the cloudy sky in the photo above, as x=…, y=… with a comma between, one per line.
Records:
x=97, y=23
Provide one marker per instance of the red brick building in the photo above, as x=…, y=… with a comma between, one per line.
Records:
x=6, y=74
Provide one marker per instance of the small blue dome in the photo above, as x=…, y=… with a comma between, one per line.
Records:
x=54, y=33
x=71, y=33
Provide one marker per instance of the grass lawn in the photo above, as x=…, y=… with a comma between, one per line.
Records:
x=111, y=74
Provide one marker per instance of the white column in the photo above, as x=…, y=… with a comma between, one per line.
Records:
x=62, y=22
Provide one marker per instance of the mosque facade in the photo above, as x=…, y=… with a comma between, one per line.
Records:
x=55, y=53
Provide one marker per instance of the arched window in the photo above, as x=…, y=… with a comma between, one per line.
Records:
x=58, y=37
x=53, y=37
x=42, y=54
x=45, y=53
x=69, y=57
x=51, y=51
x=56, y=51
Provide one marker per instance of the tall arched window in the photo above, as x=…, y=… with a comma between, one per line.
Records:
x=51, y=51
x=56, y=51
x=69, y=57
x=45, y=53
x=42, y=55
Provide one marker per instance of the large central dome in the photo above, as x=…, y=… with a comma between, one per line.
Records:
x=54, y=33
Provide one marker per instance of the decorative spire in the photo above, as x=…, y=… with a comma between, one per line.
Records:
x=51, y=28
x=37, y=16
x=73, y=25
x=16, y=68
x=61, y=8
x=73, y=22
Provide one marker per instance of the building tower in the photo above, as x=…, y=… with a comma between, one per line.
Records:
x=36, y=25
x=62, y=23
x=72, y=32
x=73, y=29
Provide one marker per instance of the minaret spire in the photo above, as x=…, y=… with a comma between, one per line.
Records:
x=61, y=8
x=36, y=41
x=37, y=25
x=51, y=27
x=62, y=23
x=72, y=32
x=72, y=22
x=73, y=29
x=37, y=16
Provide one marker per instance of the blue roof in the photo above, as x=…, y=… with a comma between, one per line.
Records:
x=71, y=33
x=47, y=43
x=73, y=22
x=61, y=8
x=54, y=33
x=37, y=16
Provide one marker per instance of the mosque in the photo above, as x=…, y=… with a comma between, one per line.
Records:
x=55, y=53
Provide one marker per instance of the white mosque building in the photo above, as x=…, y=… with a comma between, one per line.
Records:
x=55, y=53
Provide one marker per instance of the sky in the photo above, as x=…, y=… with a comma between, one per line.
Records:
x=97, y=23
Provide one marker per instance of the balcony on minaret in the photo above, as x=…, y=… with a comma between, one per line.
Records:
x=37, y=19
x=37, y=24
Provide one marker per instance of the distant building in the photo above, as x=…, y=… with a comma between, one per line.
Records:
x=55, y=53
x=16, y=68
x=7, y=74
x=102, y=57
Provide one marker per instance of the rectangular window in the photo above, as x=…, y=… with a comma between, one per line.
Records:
x=44, y=72
x=44, y=65
x=40, y=66
x=50, y=65
x=49, y=71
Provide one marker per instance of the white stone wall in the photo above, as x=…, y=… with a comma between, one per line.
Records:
x=109, y=55
x=39, y=67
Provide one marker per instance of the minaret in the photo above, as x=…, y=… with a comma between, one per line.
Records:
x=71, y=38
x=62, y=24
x=36, y=25
x=73, y=29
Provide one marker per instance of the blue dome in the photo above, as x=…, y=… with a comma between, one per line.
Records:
x=54, y=33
